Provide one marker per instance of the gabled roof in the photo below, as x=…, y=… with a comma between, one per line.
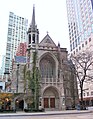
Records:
x=47, y=41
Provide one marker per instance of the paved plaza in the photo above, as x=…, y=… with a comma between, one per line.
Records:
x=71, y=114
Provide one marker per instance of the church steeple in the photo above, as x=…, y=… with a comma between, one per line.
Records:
x=33, y=32
x=33, y=18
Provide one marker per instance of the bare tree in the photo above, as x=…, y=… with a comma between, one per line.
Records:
x=83, y=63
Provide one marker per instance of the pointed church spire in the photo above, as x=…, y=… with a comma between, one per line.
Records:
x=58, y=44
x=33, y=32
x=33, y=17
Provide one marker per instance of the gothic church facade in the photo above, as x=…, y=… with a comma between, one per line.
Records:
x=58, y=86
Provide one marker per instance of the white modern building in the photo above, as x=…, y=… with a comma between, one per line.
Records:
x=2, y=69
x=17, y=28
x=80, y=24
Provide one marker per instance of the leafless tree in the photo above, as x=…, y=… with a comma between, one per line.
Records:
x=83, y=63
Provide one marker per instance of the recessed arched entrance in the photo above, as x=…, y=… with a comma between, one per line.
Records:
x=19, y=105
x=51, y=98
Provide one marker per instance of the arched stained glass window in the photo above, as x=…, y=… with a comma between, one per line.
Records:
x=47, y=67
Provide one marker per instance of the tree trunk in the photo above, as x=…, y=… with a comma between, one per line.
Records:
x=81, y=90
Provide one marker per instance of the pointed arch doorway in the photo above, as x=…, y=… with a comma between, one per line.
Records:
x=51, y=98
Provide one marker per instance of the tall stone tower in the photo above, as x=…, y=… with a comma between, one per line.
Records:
x=33, y=32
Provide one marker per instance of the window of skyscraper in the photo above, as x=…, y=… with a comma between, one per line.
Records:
x=92, y=93
x=89, y=39
x=92, y=28
x=79, y=48
x=87, y=93
x=85, y=34
x=89, y=31
x=71, y=47
x=86, y=43
x=91, y=18
x=76, y=50
x=78, y=40
x=82, y=45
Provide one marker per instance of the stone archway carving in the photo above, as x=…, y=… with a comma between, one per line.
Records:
x=51, y=98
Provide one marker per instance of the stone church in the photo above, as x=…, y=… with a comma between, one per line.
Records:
x=58, y=84
x=58, y=87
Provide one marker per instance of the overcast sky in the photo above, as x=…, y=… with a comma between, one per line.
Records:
x=50, y=15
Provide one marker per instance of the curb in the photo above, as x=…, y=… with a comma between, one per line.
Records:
x=43, y=114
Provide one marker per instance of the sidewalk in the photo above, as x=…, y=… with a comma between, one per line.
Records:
x=45, y=113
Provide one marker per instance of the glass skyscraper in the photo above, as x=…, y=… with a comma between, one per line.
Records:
x=80, y=24
x=17, y=33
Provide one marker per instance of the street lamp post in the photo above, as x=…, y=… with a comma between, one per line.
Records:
x=17, y=78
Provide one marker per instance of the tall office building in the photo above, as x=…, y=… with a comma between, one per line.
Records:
x=2, y=66
x=17, y=28
x=80, y=23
